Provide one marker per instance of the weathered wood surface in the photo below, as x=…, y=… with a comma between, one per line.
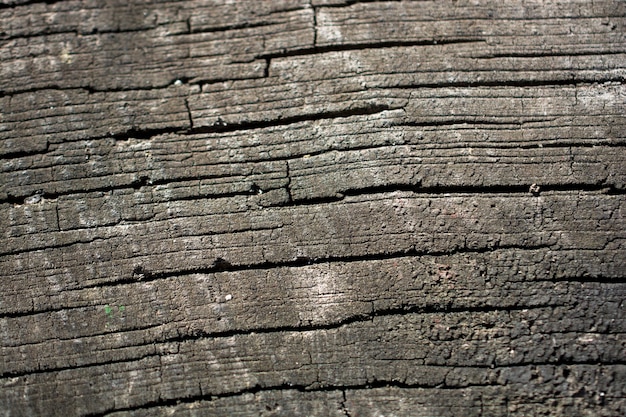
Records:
x=313, y=207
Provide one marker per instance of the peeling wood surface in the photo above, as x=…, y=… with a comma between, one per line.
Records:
x=312, y=207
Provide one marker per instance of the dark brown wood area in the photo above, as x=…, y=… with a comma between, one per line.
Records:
x=312, y=208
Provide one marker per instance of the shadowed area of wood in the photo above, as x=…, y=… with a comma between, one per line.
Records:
x=312, y=207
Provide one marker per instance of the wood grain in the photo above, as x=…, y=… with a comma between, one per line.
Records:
x=312, y=207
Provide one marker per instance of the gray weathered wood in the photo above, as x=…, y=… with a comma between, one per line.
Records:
x=312, y=207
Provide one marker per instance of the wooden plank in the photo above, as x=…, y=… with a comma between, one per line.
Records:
x=102, y=16
x=530, y=265
x=196, y=167
x=33, y=120
x=152, y=58
x=495, y=401
x=183, y=42
x=287, y=298
x=414, y=343
x=434, y=147
x=419, y=402
x=596, y=26
x=398, y=213
x=236, y=103
x=186, y=236
x=286, y=402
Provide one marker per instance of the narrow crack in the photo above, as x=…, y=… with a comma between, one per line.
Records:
x=189, y=114
x=571, y=81
x=320, y=49
x=266, y=70
x=591, y=279
x=27, y=3
x=225, y=28
x=342, y=405
x=504, y=190
x=548, y=54
x=221, y=126
x=24, y=154
x=288, y=185
x=472, y=121
x=315, y=29
x=84, y=88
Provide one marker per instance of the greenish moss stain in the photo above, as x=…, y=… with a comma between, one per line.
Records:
x=108, y=310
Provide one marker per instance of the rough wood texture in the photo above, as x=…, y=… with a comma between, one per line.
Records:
x=313, y=207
